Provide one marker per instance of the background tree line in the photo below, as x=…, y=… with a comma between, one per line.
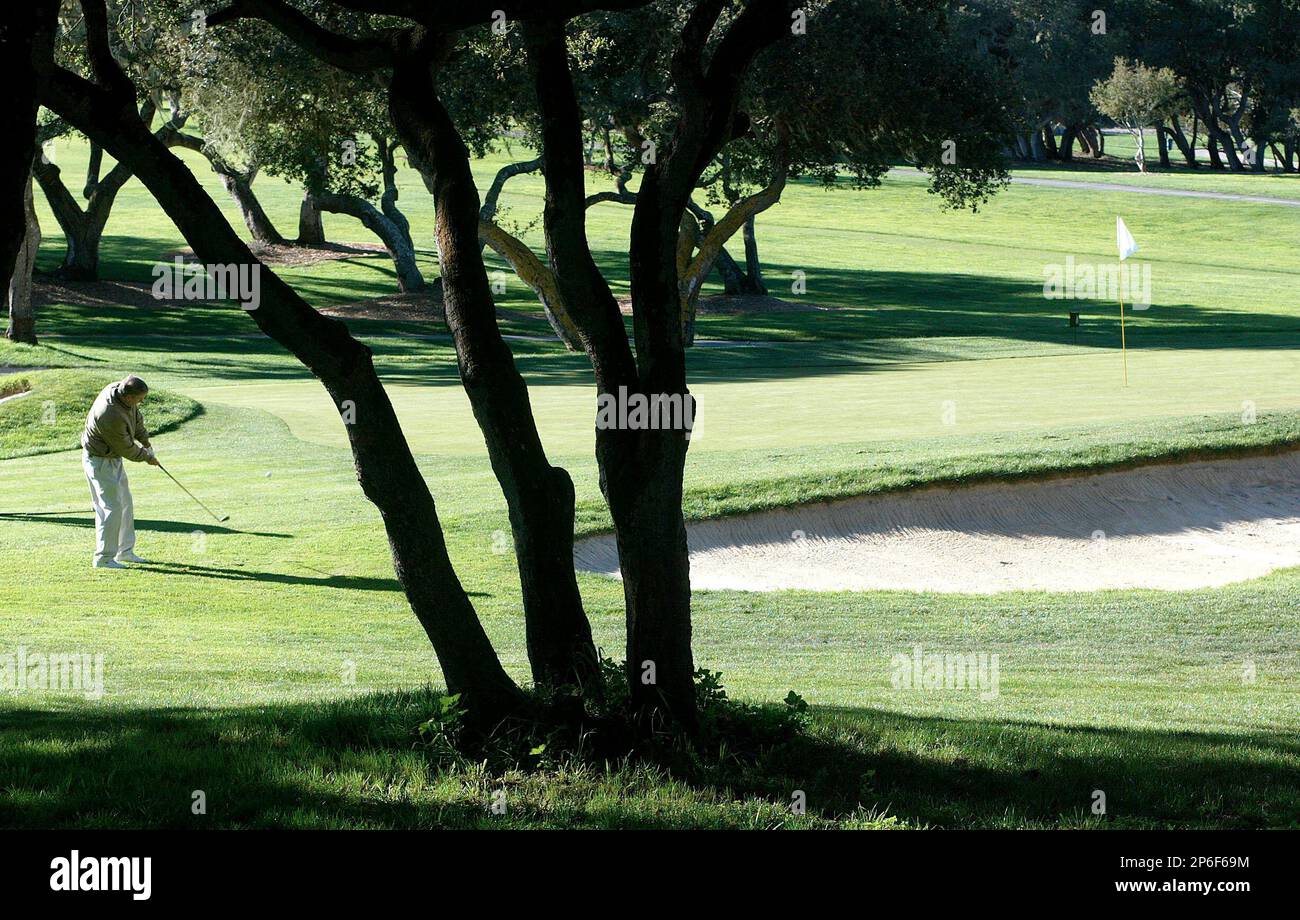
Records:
x=1219, y=76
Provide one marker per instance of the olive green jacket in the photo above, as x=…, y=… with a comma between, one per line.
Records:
x=113, y=428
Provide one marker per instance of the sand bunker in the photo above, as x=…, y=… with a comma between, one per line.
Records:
x=1170, y=526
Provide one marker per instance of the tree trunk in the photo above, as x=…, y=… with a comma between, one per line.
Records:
x=26, y=60
x=22, y=315
x=390, y=234
x=1212, y=146
x=1140, y=151
x=1261, y=154
x=700, y=230
x=238, y=185
x=734, y=281
x=1162, y=141
x=259, y=225
x=753, y=266
x=311, y=229
x=385, y=467
x=641, y=470
x=641, y=476
x=539, y=496
x=1222, y=138
x=1049, y=141
x=1188, y=150
x=1093, y=140
x=1279, y=165
x=388, y=201
x=540, y=279
x=82, y=229
x=1066, y=148
x=1035, y=144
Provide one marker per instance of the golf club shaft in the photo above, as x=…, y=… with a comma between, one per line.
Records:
x=191, y=494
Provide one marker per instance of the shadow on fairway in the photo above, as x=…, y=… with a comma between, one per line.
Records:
x=328, y=580
x=319, y=765
x=880, y=320
x=146, y=524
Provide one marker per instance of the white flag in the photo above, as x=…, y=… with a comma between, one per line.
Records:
x=1124, y=240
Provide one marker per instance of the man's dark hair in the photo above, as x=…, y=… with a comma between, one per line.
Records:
x=134, y=386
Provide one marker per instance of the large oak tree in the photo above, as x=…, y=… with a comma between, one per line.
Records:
x=410, y=49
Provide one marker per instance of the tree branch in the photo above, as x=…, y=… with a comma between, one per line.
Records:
x=354, y=55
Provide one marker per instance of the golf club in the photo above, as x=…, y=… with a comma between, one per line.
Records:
x=220, y=520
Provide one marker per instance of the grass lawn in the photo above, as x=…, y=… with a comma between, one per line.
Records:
x=273, y=663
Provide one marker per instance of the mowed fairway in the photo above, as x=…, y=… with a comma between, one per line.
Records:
x=943, y=361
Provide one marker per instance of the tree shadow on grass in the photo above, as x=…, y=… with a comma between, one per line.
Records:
x=146, y=524
x=356, y=763
x=328, y=580
x=879, y=320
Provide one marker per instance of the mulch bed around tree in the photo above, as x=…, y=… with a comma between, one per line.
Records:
x=424, y=305
x=48, y=290
x=300, y=255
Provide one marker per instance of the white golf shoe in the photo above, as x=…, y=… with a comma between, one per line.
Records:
x=108, y=564
x=129, y=557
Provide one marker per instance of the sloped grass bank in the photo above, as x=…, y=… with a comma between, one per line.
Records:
x=51, y=415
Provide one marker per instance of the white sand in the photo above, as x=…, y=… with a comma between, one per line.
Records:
x=1169, y=526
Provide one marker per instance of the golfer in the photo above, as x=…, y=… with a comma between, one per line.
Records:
x=115, y=432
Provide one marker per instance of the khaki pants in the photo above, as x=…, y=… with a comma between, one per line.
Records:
x=110, y=493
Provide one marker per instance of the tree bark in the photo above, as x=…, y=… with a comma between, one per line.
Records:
x=753, y=265
x=311, y=229
x=1185, y=148
x=539, y=278
x=22, y=315
x=642, y=469
x=388, y=200
x=1035, y=143
x=26, y=60
x=1049, y=141
x=238, y=185
x=694, y=269
x=1066, y=148
x=525, y=263
x=396, y=242
x=734, y=279
x=83, y=229
x=540, y=497
x=1162, y=141
x=260, y=227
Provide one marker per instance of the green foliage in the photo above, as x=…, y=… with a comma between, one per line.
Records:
x=261, y=101
x=1135, y=95
x=441, y=732
x=559, y=728
x=868, y=84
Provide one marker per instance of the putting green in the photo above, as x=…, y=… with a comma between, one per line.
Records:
x=946, y=399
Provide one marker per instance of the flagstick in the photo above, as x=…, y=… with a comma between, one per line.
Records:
x=1123, y=343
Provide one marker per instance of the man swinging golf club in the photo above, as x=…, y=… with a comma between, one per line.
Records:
x=115, y=431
